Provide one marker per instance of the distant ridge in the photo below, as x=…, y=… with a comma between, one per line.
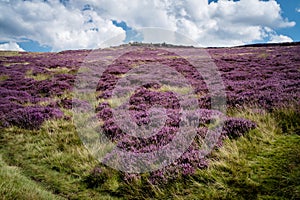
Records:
x=154, y=45
x=271, y=44
x=210, y=47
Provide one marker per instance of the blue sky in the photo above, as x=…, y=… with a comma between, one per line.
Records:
x=57, y=25
x=289, y=10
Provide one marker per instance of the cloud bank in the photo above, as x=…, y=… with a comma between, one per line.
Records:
x=71, y=24
x=10, y=46
x=53, y=24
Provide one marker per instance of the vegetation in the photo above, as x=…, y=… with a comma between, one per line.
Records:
x=51, y=163
x=257, y=155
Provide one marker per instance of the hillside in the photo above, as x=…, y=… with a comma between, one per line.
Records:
x=230, y=115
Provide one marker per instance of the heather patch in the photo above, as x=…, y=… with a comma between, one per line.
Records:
x=254, y=155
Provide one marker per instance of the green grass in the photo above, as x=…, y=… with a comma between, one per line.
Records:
x=52, y=157
x=4, y=77
x=263, y=55
x=59, y=70
x=52, y=163
x=14, y=185
x=45, y=76
x=265, y=164
x=176, y=90
x=116, y=101
x=9, y=53
x=8, y=64
x=37, y=77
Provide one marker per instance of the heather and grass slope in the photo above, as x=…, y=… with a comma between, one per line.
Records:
x=256, y=157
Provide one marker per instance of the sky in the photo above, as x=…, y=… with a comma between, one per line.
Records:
x=57, y=25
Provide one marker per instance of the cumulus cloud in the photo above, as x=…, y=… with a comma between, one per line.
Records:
x=274, y=37
x=53, y=24
x=136, y=13
x=298, y=10
x=279, y=39
x=72, y=24
x=10, y=46
x=227, y=23
x=222, y=23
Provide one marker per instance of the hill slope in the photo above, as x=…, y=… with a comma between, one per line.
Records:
x=255, y=155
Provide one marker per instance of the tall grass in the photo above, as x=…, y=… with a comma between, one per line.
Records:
x=52, y=163
x=14, y=185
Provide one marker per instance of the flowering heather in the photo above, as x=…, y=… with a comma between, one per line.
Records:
x=235, y=127
x=267, y=78
x=30, y=117
x=23, y=91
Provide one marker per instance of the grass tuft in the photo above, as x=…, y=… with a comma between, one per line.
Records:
x=52, y=163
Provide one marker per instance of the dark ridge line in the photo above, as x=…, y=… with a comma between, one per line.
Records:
x=270, y=44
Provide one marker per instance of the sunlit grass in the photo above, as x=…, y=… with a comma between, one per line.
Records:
x=176, y=90
x=16, y=63
x=263, y=55
x=9, y=53
x=4, y=77
x=116, y=101
x=53, y=163
x=37, y=77
x=53, y=157
x=14, y=185
x=261, y=165
x=45, y=76
x=59, y=70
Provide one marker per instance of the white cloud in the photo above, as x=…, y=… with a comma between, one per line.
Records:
x=55, y=25
x=137, y=13
x=274, y=37
x=227, y=23
x=222, y=23
x=279, y=39
x=298, y=10
x=10, y=46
